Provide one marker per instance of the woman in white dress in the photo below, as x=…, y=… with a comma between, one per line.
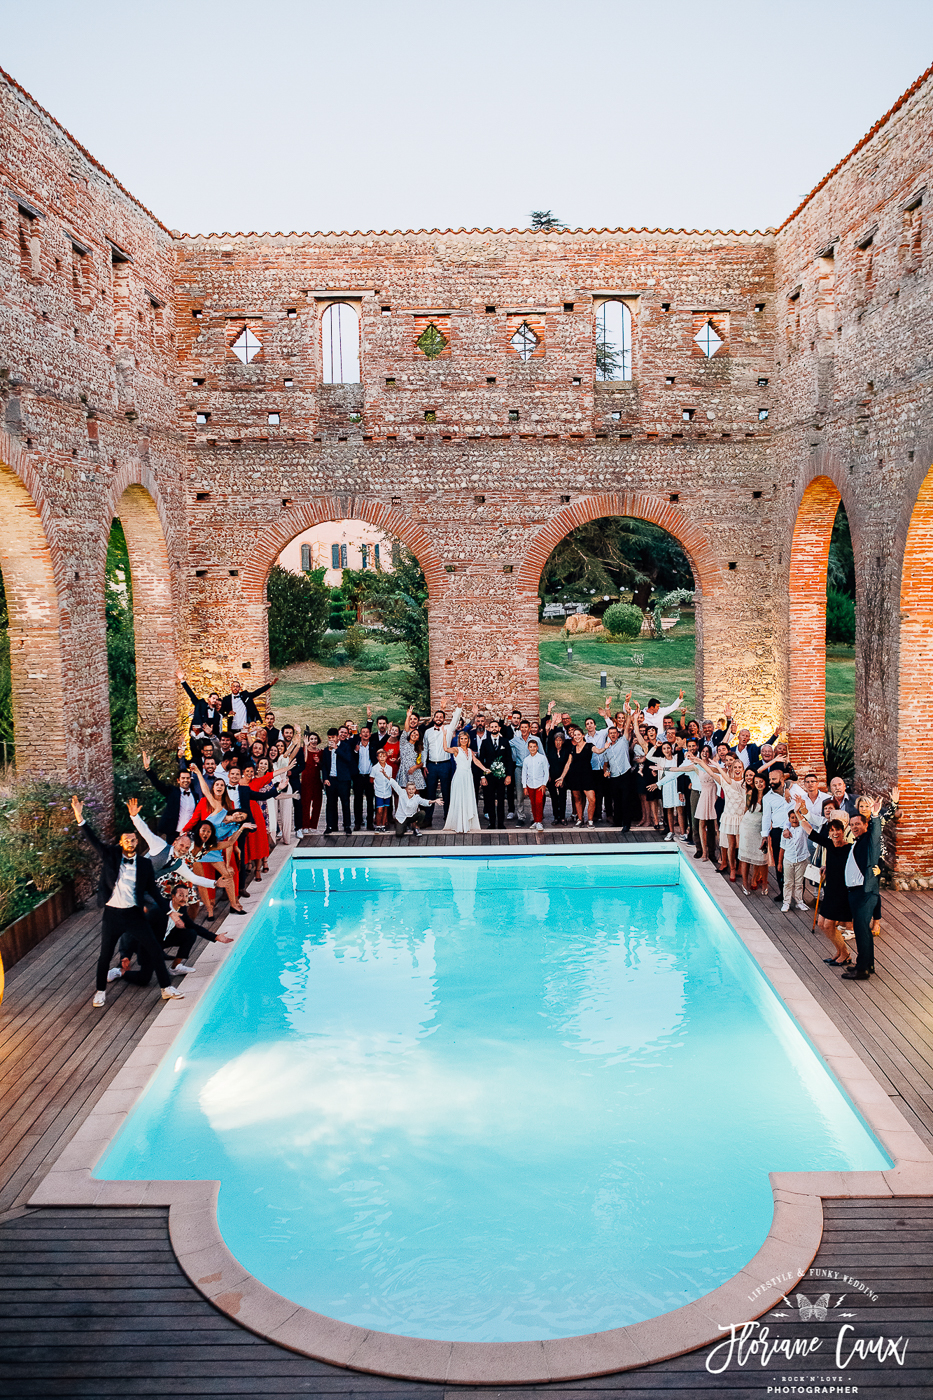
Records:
x=733, y=786
x=462, y=814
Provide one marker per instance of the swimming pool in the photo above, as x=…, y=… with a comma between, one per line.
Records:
x=491, y=1098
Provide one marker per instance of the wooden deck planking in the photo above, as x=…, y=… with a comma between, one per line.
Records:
x=57, y=1056
x=121, y=1319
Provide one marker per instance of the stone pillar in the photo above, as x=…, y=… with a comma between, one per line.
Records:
x=807, y=639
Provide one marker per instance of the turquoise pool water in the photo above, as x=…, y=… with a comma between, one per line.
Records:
x=491, y=1099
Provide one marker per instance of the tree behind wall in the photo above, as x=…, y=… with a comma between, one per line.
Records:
x=299, y=610
x=121, y=645
x=399, y=599
x=612, y=555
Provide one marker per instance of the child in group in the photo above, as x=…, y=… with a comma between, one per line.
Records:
x=382, y=789
x=535, y=772
x=796, y=859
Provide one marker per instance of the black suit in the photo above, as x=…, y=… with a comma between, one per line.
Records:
x=494, y=802
x=182, y=939
x=116, y=922
x=249, y=700
x=863, y=898
x=168, y=821
x=203, y=714
x=337, y=788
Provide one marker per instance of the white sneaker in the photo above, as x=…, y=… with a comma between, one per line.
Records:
x=669, y=836
x=510, y=816
x=180, y=969
x=99, y=999
x=113, y=974
x=801, y=905
x=170, y=994
x=785, y=908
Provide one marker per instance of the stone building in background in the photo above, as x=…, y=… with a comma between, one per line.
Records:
x=474, y=393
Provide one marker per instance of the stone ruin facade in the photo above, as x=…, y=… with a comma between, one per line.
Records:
x=479, y=443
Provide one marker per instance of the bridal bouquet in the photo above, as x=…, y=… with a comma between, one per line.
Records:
x=497, y=768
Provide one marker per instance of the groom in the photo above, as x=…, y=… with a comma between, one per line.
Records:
x=495, y=748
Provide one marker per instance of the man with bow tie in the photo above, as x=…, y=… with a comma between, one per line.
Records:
x=495, y=747
x=126, y=879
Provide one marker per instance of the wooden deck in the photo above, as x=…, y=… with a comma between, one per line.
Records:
x=93, y=1303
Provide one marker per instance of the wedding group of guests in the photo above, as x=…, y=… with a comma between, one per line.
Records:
x=244, y=781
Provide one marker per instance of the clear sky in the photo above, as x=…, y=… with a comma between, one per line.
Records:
x=295, y=114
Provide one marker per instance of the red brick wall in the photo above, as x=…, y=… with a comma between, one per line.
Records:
x=107, y=366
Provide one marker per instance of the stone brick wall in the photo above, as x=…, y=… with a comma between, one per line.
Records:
x=122, y=394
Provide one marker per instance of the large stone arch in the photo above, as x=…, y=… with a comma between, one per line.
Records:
x=705, y=561
x=819, y=501
x=32, y=593
x=135, y=498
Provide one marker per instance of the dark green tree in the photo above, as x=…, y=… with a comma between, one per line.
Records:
x=840, y=572
x=299, y=610
x=121, y=644
x=612, y=555
x=399, y=599
x=543, y=219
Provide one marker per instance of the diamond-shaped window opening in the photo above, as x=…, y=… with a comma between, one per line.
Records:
x=524, y=341
x=708, y=341
x=246, y=347
x=431, y=342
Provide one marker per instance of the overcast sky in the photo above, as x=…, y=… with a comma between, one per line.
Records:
x=295, y=114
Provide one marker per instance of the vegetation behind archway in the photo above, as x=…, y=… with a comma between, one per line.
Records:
x=613, y=555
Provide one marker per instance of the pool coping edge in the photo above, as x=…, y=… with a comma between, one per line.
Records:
x=785, y=1255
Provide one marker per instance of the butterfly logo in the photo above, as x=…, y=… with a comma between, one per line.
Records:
x=817, y=1309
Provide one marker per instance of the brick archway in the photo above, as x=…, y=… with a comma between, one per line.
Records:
x=915, y=760
x=389, y=519
x=704, y=561
x=35, y=625
x=153, y=603
x=809, y=558
x=670, y=516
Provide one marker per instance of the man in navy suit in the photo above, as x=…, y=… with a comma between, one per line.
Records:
x=126, y=881
x=180, y=801
x=336, y=770
x=862, y=886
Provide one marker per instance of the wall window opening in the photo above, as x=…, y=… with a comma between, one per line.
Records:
x=613, y=341
x=246, y=347
x=340, y=344
x=524, y=341
x=707, y=339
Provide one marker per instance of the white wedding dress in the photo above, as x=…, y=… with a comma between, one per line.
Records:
x=462, y=814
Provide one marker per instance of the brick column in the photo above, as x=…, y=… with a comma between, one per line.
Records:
x=153, y=613
x=807, y=638
x=915, y=682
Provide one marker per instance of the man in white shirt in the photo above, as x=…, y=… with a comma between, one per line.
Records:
x=774, y=809
x=654, y=715
x=614, y=754
x=406, y=808
x=438, y=761
x=519, y=746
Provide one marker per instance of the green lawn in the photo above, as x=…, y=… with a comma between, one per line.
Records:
x=321, y=695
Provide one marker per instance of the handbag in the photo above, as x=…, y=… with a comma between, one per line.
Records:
x=813, y=873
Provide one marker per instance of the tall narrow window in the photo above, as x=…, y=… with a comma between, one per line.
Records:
x=335, y=556
x=364, y=550
x=340, y=344
x=343, y=556
x=306, y=557
x=375, y=556
x=613, y=341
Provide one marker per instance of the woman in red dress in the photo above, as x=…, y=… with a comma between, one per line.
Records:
x=311, y=790
x=257, y=842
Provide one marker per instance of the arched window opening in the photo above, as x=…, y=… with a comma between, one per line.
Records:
x=340, y=344
x=822, y=632
x=349, y=631
x=604, y=562
x=613, y=341
x=121, y=646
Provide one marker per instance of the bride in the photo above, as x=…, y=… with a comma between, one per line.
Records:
x=462, y=814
